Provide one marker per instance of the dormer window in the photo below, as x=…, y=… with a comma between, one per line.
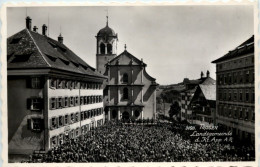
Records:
x=125, y=78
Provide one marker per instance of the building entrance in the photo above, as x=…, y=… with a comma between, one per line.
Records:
x=125, y=116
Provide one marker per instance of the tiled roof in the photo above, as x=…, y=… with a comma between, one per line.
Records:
x=244, y=48
x=28, y=49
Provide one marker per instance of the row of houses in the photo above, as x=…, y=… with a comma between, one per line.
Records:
x=229, y=101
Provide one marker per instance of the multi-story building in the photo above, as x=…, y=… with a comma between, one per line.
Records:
x=203, y=104
x=52, y=93
x=188, y=92
x=236, y=90
x=130, y=93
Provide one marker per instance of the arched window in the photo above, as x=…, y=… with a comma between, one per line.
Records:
x=102, y=48
x=109, y=48
x=125, y=93
x=125, y=78
x=137, y=113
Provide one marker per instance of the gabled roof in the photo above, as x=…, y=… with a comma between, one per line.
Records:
x=244, y=48
x=28, y=49
x=131, y=57
x=209, y=91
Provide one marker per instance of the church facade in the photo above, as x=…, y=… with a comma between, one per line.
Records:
x=130, y=92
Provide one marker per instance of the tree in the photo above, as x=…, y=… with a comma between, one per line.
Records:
x=175, y=109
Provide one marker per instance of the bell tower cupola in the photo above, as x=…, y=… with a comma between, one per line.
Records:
x=106, y=47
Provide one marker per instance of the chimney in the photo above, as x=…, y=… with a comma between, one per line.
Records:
x=208, y=74
x=60, y=38
x=44, y=29
x=201, y=74
x=35, y=28
x=28, y=23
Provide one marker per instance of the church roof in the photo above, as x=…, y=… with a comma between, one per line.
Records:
x=244, y=48
x=28, y=49
x=106, y=31
x=131, y=57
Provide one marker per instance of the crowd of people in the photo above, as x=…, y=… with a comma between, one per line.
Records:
x=163, y=142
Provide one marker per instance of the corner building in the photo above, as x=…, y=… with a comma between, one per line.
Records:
x=53, y=94
x=130, y=92
x=236, y=91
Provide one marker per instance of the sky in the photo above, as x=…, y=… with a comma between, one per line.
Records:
x=175, y=42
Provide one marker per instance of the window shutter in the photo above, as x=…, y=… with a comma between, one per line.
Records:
x=29, y=102
x=50, y=103
x=28, y=82
x=63, y=102
x=29, y=126
x=56, y=122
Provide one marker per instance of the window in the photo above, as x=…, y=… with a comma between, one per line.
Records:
x=247, y=96
x=82, y=115
x=66, y=101
x=72, y=119
x=235, y=95
x=36, y=82
x=59, y=84
x=53, y=123
x=229, y=95
x=85, y=100
x=52, y=83
x=125, y=93
x=109, y=49
x=59, y=103
x=66, y=84
x=247, y=76
x=241, y=77
x=85, y=114
x=235, y=77
x=102, y=48
x=81, y=100
x=235, y=112
x=52, y=103
x=66, y=119
x=36, y=124
x=240, y=95
x=72, y=85
x=35, y=104
x=88, y=99
x=60, y=121
x=77, y=117
x=71, y=101
x=246, y=114
x=240, y=113
x=125, y=78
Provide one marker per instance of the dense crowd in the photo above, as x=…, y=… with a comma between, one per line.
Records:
x=164, y=142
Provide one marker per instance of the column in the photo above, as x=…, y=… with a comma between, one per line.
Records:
x=132, y=73
x=118, y=114
x=142, y=114
x=132, y=94
x=132, y=112
x=108, y=114
x=118, y=94
x=105, y=48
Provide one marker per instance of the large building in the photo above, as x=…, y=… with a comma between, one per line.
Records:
x=188, y=92
x=130, y=93
x=236, y=90
x=53, y=94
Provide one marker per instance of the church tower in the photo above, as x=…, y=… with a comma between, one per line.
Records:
x=106, y=47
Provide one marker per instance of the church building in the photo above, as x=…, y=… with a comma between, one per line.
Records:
x=130, y=92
